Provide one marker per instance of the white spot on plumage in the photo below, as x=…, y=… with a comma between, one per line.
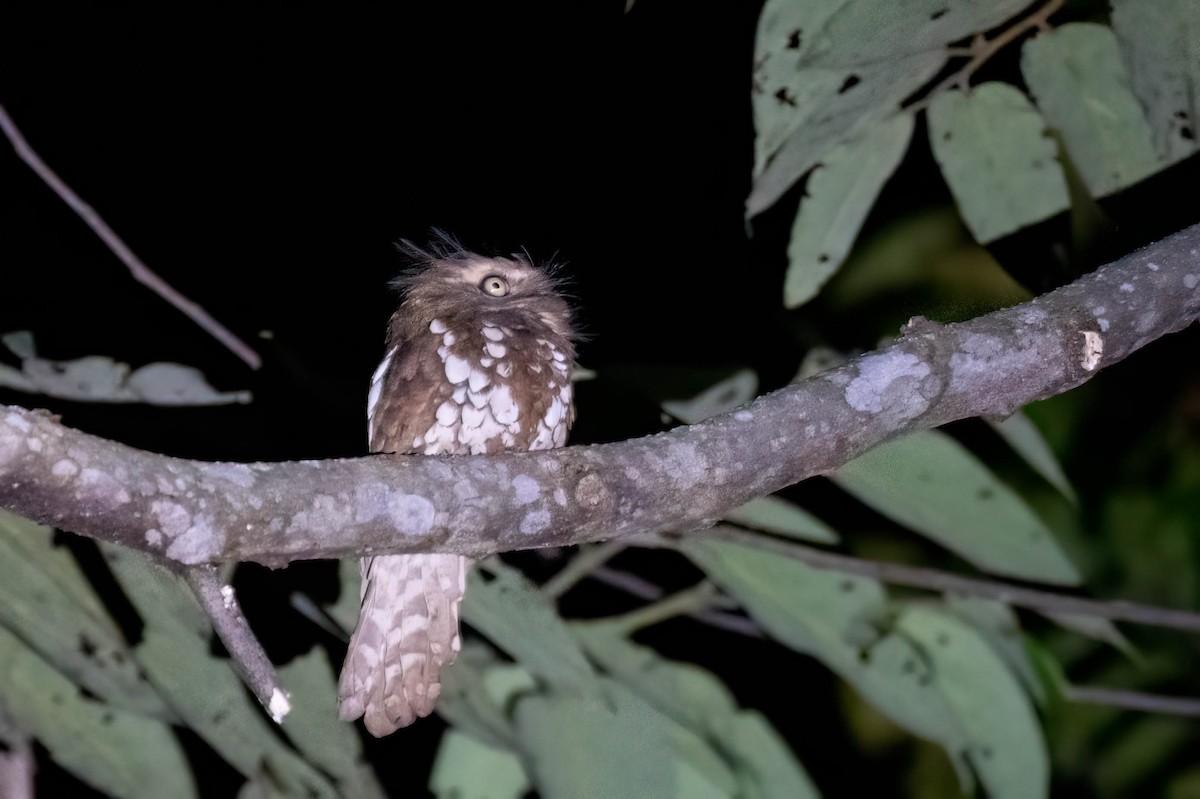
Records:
x=459, y=395
x=495, y=349
x=449, y=338
x=492, y=333
x=447, y=413
x=503, y=406
x=437, y=327
x=485, y=361
x=458, y=369
x=478, y=379
x=504, y=369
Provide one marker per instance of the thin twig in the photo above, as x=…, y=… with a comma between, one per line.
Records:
x=219, y=602
x=687, y=602
x=1134, y=700
x=983, y=49
x=142, y=273
x=644, y=589
x=935, y=580
x=580, y=566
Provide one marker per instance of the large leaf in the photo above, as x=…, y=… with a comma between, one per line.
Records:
x=998, y=158
x=515, y=616
x=840, y=619
x=314, y=727
x=929, y=482
x=825, y=72
x=1005, y=746
x=1026, y=438
x=204, y=690
x=1081, y=85
x=1160, y=40
x=466, y=768
x=760, y=761
x=49, y=604
x=582, y=747
x=838, y=196
x=123, y=754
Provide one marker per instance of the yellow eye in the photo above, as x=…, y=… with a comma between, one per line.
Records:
x=494, y=285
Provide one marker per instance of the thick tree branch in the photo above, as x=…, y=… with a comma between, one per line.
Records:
x=193, y=512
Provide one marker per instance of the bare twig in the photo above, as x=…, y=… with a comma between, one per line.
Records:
x=945, y=582
x=983, y=49
x=1134, y=700
x=644, y=589
x=688, y=602
x=587, y=560
x=218, y=600
x=142, y=273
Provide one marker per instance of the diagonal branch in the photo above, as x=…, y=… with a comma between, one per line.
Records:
x=195, y=512
x=141, y=273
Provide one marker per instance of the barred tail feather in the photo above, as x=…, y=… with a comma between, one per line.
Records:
x=407, y=631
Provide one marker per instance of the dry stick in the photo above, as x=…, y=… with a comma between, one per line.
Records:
x=142, y=273
x=1134, y=700
x=252, y=663
x=934, y=580
x=982, y=50
x=588, y=559
x=644, y=589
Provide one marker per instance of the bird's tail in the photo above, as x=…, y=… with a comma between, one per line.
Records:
x=407, y=630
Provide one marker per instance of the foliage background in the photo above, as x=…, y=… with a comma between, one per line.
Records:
x=264, y=159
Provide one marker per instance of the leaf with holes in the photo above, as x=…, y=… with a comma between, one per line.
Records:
x=998, y=157
x=930, y=483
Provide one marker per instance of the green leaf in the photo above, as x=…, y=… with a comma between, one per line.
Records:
x=314, y=727
x=998, y=158
x=825, y=72
x=511, y=612
x=840, y=192
x=49, y=604
x=776, y=515
x=1160, y=40
x=840, y=619
x=580, y=747
x=1095, y=627
x=761, y=762
x=1026, y=438
x=1078, y=78
x=1001, y=628
x=95, y=378
x=204, y=690
x=466, y=768
x=930, y=483
x=123, y=754
x=1005, y=746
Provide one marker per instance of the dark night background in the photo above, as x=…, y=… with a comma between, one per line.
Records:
x=264, y=158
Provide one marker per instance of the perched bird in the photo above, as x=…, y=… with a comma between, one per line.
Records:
x=478, y=360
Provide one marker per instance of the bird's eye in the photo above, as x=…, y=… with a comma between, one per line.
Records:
x=494, y=285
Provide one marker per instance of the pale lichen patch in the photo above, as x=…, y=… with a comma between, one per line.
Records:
x=64, y=468
x=526, y=489
x=103, y=486
x=535, y=522
x=881, y=377
x=197, y=544
x=411, y=514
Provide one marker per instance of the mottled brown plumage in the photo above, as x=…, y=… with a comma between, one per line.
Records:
x=478, y=360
